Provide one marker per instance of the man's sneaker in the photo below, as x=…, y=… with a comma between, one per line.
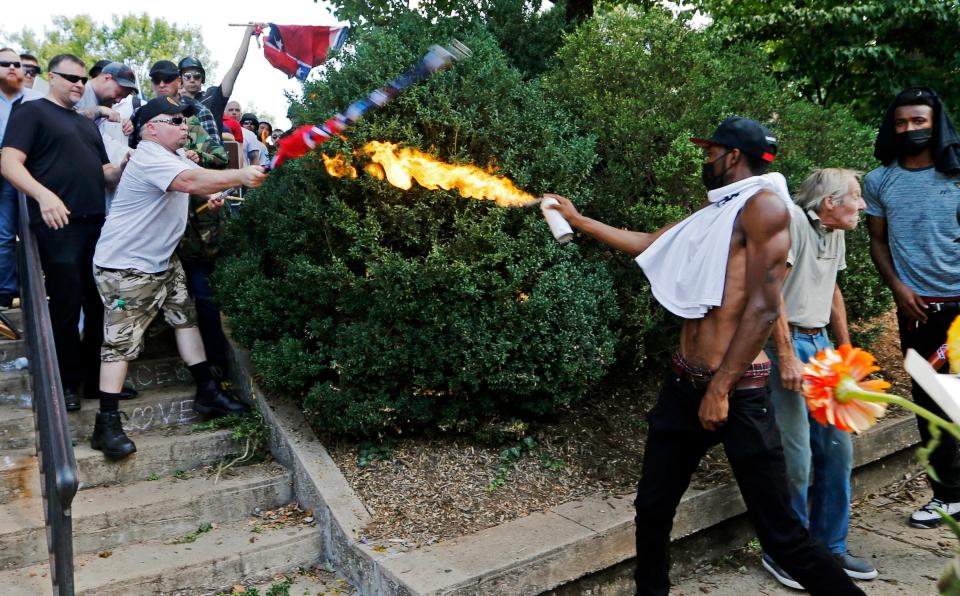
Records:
x=927, y=516
x=856, y=568
x=782, y=576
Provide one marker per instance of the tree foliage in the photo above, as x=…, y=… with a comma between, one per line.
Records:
x=387, y=310
x=136, y=40
x=645, y=82
x=528, y=31
x=858, y=54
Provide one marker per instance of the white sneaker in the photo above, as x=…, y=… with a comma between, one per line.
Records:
x=928, y=517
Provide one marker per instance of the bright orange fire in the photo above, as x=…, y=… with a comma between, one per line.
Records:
x=401, y=167
x=338, y=167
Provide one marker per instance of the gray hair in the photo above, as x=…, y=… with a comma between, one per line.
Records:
x=823, y=183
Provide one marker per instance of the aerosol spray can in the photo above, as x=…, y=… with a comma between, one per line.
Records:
x=939, y=358
x=559, y=227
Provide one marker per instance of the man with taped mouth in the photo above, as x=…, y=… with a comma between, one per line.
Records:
x=136, y=272
x=722, y=271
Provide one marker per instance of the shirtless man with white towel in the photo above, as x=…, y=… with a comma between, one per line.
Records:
x=722, y=270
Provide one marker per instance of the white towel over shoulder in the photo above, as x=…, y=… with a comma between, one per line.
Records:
x=687, y=265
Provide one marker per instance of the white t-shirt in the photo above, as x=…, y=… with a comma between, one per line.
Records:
x=146, y=221
x=250, y=144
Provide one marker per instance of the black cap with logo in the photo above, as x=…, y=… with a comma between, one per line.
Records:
x=251, y=118
x=744, y=134
x=155, y=107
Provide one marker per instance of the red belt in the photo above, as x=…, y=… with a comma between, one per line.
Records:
x=701, y=381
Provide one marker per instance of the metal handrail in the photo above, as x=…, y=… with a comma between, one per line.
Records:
x=58, y=465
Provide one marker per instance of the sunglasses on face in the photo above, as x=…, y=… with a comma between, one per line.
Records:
x=71, y=78
x=31, y=70
x=8, y=64
x=191, y=76
x=176, y=121
x=166, y=79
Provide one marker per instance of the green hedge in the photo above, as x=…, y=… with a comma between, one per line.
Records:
x=385, y=310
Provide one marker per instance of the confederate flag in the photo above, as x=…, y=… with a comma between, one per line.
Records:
x=295, y=49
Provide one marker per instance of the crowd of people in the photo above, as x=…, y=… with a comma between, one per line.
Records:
x=126, y=199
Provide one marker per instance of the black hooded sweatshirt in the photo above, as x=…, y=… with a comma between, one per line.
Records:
x=946, y=143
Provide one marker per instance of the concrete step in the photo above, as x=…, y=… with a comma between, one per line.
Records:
x=144, y=373
x=156, y=456
x=13, y=383
x=152, y=409
x=15, y=315
x=11, y=349
x=114, y=516
x=319, y=580
x=217, y=560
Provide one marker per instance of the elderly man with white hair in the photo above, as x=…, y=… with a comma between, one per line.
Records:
x=828, y=204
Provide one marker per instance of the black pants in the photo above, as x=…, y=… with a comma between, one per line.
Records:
x=67, y=259
x=675, y=444
x=945, y=459
x=208, y=315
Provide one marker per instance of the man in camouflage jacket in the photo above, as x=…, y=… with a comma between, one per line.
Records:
x=201, y=240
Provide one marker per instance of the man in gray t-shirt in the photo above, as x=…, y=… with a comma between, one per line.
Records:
x=827, y=204
x=913, y=204
x=136, y=272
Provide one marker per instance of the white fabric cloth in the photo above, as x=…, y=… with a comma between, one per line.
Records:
x=687, y=265
x=250, y=145
x=115, y=142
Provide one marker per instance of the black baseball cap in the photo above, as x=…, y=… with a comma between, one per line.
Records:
x=162, y=105
x=98, y=68
x=122, y=74
x=744, y=134
x=164, y=68
x=248, y=117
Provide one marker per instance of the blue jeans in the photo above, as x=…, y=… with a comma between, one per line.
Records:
x=806, y=441
x=9, y=212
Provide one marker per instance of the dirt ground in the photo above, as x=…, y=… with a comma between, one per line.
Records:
x=422, y=491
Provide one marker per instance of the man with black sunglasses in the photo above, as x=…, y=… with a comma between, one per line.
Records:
x=214, y=98
x=13, y=91
x=204, y=146
x=56, y=156
x=31, y=74
x=137, y=273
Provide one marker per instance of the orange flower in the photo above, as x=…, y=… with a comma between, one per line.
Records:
x=836, y=393
x=953, y=346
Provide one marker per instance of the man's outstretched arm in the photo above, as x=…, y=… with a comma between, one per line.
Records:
x=230, y=79
x=766, y=225
x=632, y=243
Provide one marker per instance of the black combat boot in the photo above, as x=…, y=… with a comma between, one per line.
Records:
x=108, y=436
x=211, y=400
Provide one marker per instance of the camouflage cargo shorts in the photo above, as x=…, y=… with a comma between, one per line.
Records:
x=132, y=300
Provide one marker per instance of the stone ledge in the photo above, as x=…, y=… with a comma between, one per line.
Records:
x=529, y=555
